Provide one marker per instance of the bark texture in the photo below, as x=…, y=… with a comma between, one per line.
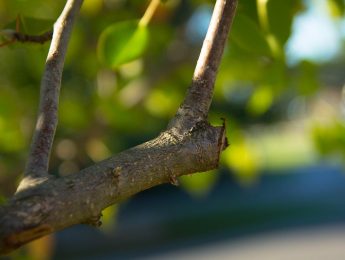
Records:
x=38, y=160
x=44, y=204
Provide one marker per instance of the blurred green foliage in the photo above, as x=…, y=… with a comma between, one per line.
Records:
x=120, y=88
x=330, y=139
x=122, y=42
x=254, y=42
x=199, y=184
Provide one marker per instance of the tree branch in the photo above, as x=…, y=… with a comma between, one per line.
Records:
x=53, y=203
x=38, y=159
x=41, y=38
x=14, y=36
x=57, y=203
x=199, y=95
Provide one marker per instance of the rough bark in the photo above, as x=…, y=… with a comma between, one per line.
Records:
x=57, y=203
x=199, y=95
x=45, y=203
x=38, y=159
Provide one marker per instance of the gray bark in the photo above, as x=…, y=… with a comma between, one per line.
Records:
x=44, y=204
x=38, y=159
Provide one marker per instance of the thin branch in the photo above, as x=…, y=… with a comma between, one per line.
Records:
x=22, y=37
x=144, y=21
x=41, y=38
x=56, y=203
x=198, y=99
x=38, y=160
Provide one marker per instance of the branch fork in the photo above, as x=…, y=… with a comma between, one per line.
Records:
x=44, y=204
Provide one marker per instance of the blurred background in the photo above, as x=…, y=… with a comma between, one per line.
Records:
x=279, y=192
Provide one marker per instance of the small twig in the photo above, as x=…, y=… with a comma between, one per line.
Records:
x=37, y=164
x=42, y=38
x=149, y=13
x=199, y=95
x=13, y=36
x=22, y=37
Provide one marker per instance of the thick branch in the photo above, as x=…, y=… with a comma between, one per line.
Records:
x=199, y=96
x=189, y=145
x=37, y=164
x=57, y=203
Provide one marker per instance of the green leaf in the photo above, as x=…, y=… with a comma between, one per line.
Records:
x=35, y=26
x=280, y=17
x=121, y=43
x=246, y=33
x=47, y=9
x=31, y=25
